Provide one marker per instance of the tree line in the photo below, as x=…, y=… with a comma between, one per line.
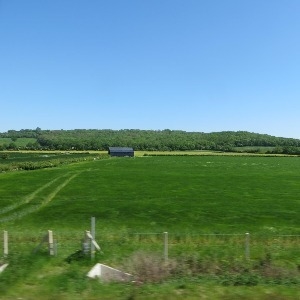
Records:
x=149, y=140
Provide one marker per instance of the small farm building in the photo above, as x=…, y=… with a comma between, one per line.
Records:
x=120, y=151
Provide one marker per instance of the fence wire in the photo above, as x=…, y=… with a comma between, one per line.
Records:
x=284, y=248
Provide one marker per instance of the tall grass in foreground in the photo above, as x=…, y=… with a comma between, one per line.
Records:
x=193, y=261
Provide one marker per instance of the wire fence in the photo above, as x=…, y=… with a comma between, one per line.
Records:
x=221, y=246
x=247, y=246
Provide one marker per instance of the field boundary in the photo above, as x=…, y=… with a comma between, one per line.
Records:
x=171, y=244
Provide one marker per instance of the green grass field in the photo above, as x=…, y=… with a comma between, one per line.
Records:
x=188, y=196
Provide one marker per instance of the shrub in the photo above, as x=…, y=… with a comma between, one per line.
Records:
x=148, y=267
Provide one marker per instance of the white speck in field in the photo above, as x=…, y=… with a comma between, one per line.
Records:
x=272, y=229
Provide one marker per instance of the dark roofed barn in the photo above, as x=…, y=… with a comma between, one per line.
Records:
x=120, y=151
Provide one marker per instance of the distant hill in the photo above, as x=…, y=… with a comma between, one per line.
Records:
x=162, y=140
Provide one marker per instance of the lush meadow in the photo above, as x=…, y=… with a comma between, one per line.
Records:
x=206, y=203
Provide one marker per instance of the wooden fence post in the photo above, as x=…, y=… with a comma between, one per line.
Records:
x=166, y=246
x=48, y=239
x=5, y=240
x=86, y=243
x=50, y=243
x=247, y=245
x=93, y=233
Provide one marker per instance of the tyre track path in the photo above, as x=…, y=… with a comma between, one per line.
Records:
x=28, y=198
x=20, y=209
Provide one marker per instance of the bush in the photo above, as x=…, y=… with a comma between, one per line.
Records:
x=147, y=267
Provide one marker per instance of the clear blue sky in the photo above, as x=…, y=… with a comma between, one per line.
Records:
x=193, y=65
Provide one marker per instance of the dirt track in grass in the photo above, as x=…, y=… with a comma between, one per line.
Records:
x=21, y=209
